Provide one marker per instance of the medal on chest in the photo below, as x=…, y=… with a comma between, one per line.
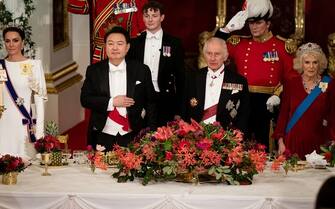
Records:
x=26, y=69
x=270, y=56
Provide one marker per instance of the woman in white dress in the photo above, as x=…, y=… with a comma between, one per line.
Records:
x=24, y=95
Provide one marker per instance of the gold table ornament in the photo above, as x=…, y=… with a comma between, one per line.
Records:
x=9, y=178
x=45, y=160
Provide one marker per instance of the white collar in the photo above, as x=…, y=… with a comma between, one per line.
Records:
x=120, y=67
x=217, y=73
x=158, y=35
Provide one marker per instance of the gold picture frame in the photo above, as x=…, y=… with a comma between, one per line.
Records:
x=60, y=24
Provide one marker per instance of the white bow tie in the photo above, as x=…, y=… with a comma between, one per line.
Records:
x=152, y=36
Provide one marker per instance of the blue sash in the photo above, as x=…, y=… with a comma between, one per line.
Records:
x=304, y=105
x=27, y=120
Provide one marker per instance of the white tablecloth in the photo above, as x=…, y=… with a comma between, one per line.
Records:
x=77, y=187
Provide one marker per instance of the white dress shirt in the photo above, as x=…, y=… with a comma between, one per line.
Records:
x=117, y=86
x=152, y=52
x=213, y=90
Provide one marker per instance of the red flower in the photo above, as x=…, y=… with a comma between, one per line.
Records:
x=185, y=128
x=328, y=156
x=204, y=144
x=163, y=133
x=219, y=135
x=89, y=148
x=168, y=155
x=261, y=147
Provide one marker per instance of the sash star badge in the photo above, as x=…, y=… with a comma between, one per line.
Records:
x=19, y=101
x=193, y=102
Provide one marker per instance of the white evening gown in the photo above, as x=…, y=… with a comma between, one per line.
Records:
x=29, y=85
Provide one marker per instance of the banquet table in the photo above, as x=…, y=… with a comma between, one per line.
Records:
x=75, y=186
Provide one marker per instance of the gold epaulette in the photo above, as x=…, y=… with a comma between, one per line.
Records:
x=291, y=45
x=234, y=40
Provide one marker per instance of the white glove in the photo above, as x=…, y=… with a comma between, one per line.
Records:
x=274, y=100
x=237, y=22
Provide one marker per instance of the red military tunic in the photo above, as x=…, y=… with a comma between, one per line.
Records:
x=264, y=64
x=106, y=14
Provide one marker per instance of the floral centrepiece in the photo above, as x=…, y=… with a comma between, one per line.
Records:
x=96, y=158
x=48, y=143
x=9, y=163
x=204, y=150
x=328, y=150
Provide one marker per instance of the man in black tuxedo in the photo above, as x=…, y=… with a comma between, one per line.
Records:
x=117, y=91
x=163, y=54
x=216, y=92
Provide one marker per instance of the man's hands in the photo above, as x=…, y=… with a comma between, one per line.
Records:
x=237, y=22
x=274, y=100
x=123, y=101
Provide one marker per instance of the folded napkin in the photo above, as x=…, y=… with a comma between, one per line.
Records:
x=315, y=159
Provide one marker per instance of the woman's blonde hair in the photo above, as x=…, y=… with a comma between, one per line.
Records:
x=310, y=49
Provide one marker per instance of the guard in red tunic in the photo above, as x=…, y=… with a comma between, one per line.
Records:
x=262, y=59
x=108, y=13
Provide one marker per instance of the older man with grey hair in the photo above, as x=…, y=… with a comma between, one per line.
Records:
x=216, y=92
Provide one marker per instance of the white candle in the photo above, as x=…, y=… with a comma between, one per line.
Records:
x=1, y=93
x=3, y=78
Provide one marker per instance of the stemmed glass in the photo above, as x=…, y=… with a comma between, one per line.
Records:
x=66, y=154
x=45, y=160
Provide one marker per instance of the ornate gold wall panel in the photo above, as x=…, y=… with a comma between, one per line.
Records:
x=52, y=78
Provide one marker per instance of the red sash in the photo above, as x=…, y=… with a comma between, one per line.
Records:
x=119, y=119
x=210, y=112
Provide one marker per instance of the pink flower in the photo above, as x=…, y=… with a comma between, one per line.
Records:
x=148, y=151
x=209, y=158
x=183, y=144
x=196, y=125
x=235, y=156
x=163, y=133
x=204, y=144
x=258, y=158
x=168, y=155
x=186, y=158
x=238, y=135
x=261, y=147
x=218, y=136
x=277, y=162
x=89, y=148
x=131, y=161
x=184, y=128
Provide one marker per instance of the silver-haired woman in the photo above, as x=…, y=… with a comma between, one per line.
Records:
x=307, y=114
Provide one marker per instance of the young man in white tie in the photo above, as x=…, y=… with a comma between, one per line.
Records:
x=163, y=54
x=116, y=91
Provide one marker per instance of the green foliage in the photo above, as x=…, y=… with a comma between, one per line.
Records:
x=7, y=19
x=51, y=128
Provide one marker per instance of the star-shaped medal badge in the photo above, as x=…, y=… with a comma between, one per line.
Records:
x=19, y=101
x=193, y=102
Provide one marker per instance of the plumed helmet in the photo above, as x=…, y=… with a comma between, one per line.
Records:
x=258, y=10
